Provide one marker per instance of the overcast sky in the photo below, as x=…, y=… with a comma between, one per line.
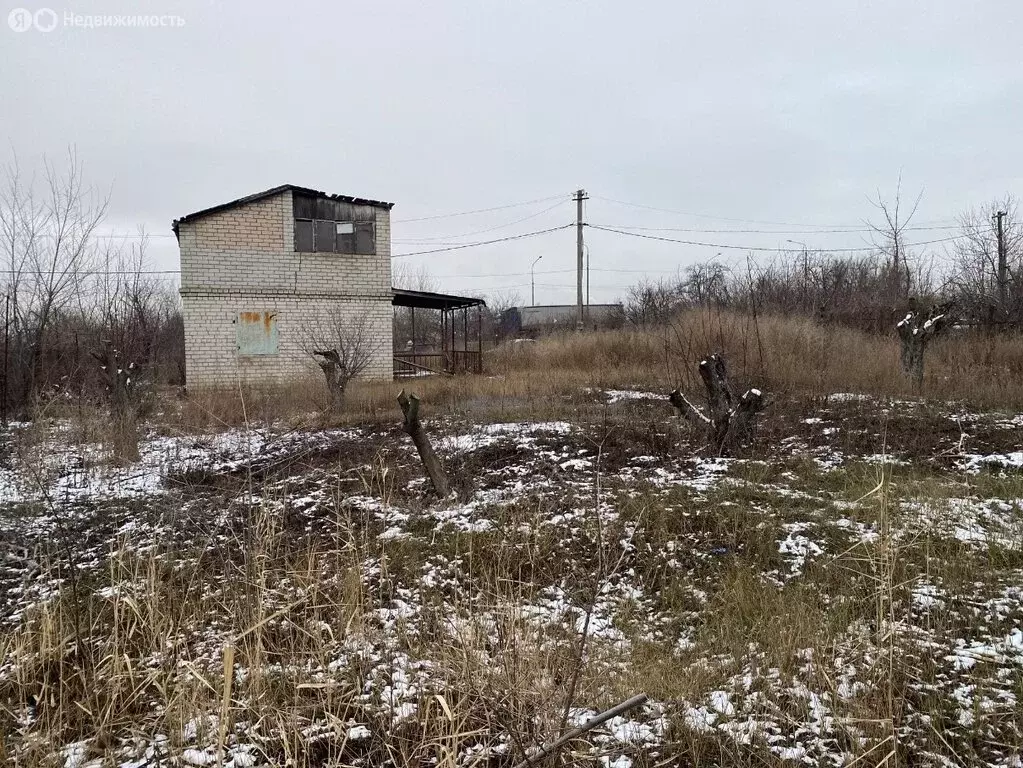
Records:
x=729, y=115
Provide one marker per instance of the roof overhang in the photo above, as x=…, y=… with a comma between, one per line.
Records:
x=403, y=297
x=276, y=191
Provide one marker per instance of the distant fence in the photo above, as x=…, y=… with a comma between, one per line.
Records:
x=409, y=365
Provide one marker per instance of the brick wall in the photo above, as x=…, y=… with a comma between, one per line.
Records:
x=243, y=260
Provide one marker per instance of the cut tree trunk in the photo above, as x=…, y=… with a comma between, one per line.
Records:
x=915, y=336
x=333, y=371
x=727, y=421
x=120, y=392
x=413, y=428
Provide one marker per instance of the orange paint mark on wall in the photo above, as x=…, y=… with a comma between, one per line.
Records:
x=257, y=333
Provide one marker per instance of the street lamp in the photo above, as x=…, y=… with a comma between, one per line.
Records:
x=587, y=249
x=532, y=281
x=806, y=263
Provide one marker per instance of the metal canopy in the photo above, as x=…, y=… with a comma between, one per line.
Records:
x=403, y=297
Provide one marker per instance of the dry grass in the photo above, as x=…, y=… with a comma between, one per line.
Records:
x=284, y=636
x=783, y=355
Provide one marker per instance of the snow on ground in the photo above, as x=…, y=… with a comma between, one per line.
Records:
x=629, y=547
x=523, y=435
x=618, y=395
x=979, y=523
x=58, y=469
x=975, y=462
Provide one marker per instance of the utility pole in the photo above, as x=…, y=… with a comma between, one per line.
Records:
x=1002, y=266
x=532, y=281
x=806, y=266
x=580, y=195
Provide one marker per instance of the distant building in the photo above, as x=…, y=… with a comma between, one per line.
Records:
x=536, y=321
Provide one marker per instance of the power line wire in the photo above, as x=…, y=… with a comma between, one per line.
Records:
x=755, y=247
x=99, y=272
x=428, y=240
x=561, y=197
x=727, y=218
x=866, y=230
x=481, y=210
x=126, y=235
x=508, y=274
x=482, y=242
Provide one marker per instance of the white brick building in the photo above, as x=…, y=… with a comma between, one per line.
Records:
x=259, y=274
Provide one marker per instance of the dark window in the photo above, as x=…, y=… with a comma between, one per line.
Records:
x=365, y=243
x=324, y=236
x=303, y=236
x=323, y=225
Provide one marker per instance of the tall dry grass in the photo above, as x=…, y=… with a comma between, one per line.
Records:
x=784, y=355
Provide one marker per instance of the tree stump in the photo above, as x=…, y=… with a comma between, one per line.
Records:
x=915, y=336
x=728, y=420
x=413, y=428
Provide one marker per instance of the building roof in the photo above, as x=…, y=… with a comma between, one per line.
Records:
x=403, y=297
x=572, y=307
x=276, y=191
x=553, y=314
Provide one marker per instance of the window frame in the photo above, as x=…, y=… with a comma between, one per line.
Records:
x=361, y=241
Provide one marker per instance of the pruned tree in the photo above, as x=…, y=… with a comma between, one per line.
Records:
x=728, y=420
x=342, y=344
x=916, y=331
x=411, y=425
x=123, y=389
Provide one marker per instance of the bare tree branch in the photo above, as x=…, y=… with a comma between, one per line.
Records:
x=341, y=342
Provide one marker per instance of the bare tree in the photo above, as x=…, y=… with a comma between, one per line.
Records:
x=414, y=278
x=49, y=249
x=132, y=304
x=424, y=325
x=497, y=304
x=708, y=283
x=653, y=303
x=70, y=290
x=974, y=277
x=342, y=344
x=22, y=223
x=889, y=237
